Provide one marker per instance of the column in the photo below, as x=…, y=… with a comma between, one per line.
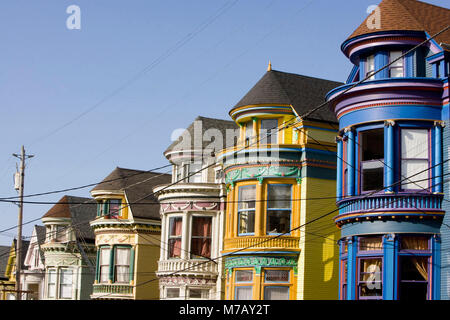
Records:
x=350, y=161
x=389, y=156
x=436, y=267
x=438, y=156
x=351, y=268
x=339, y=168
x=185, y=235
x=389, y=267
x=259, y=209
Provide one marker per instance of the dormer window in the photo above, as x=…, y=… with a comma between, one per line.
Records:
x=396, y=69
x=109, y=207
x=56, y=233
x=370, y=67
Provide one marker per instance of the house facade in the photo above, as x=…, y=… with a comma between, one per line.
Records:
x=8, y=268
x=282, y=158
x=127, y=229
x=390, y=155
x=69, y=250
x=33, y=275
x=192, y=213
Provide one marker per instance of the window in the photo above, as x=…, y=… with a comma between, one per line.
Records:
x=413, y=278
x=175, y=225
x=198, y=293
x=172, y=293
x=370, y=278
x=65, y=284
x=414, y=158
x=249, y=132
x=370, y=66
x=268, y=132
x=278, y=208
x=414, y=243
x=243, y=292
x=272, y=288
x=201, y=237
x=246, y=210
x=372, y=159
x=60, y=233
x=51, y=283
x=370, y=243
x=122, y=265
x=36, y=257
x=344, y=279
x=395, y=69
x=104, y=265
x=114, y=207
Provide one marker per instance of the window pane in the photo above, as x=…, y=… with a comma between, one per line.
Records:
x=396, y=72
x=65, y=284
x=278, y=221
x=268, y=132
x=414, y=268
x=243, y=293
x=276, y=293
x=395, y=55
x=371, y=278
x=249, y=129
x=104, y=256
x=123, y=274
x=194, y=169
x=174, y=248
x=370, y=243
x=418, y=168
x=276, y=275
x=199, y=293
x=60, y=233
x=123, y=256
x=414, y=143
x=246, y=222
x=372, y=144
x=244, y=276
x=172, y=292
x=104, y=273
x=246, y=195
x=175, y=226
x=279, y=196
x=372, y=175
x=414, y=243
x=114, y=206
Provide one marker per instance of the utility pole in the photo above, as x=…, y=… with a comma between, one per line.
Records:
x=18, y=248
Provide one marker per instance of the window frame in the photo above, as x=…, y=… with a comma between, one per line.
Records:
x=366, y=67
x=54, y=283
x=267, y=209
x=243, y=284
x=401, y=159
x=358, y=278
x=397, y=67
x=359, y=145
x=268, y=138
x=109, y=249
x=174, y=237
x=248, y=210
x=277, y=284
x=60, y=283
x=210, y=237
x=115, y=272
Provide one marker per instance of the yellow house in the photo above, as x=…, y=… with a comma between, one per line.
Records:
x=280, y=176
x=127, y=235
x=8, y=269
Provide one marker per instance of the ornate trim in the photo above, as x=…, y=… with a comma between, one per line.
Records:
x=259, y=262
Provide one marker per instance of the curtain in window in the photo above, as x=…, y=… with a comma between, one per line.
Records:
x=243, y=293
x=276, y=293
x=201, y=236
x=413, y=243
x=246, y=195
x=65, y=284
x=370, y=243
x=175, y=225
x=122, y=265
x=114, y=207
x=104, y=265
x=422, y=266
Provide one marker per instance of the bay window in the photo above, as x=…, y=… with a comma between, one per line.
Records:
x=278, y=208
x=201, y=237
x=372, y=159
x=246, y=210
x=414, y=158
x=174, y=241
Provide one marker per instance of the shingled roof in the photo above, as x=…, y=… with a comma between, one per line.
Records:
x=80, y=210
x=409, y=15
x=195, y=140
x=137, y=184
x=303, y=93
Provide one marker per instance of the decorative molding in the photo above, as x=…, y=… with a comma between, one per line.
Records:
x=262, y=172
x=257, y=261
x=388, y=123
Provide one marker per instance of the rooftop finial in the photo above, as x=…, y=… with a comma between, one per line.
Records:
x=269, y=67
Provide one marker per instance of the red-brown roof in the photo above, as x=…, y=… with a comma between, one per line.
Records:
x=409, y=15
x=59, y=210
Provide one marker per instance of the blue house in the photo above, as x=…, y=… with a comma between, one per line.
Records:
x=392, y=169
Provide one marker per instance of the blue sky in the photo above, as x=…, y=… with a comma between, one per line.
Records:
x=110, y=94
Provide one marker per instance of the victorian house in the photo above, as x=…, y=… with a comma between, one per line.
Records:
x=279, y=178
x=127, y=229
x=192, y=213
x=390, y=155
x=69, y=250
x=32, y=277
x=8, y=270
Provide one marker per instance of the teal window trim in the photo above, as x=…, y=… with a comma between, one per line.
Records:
x=132, y=252
x=99, y=208
x=112, y=259
x=97, y=266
